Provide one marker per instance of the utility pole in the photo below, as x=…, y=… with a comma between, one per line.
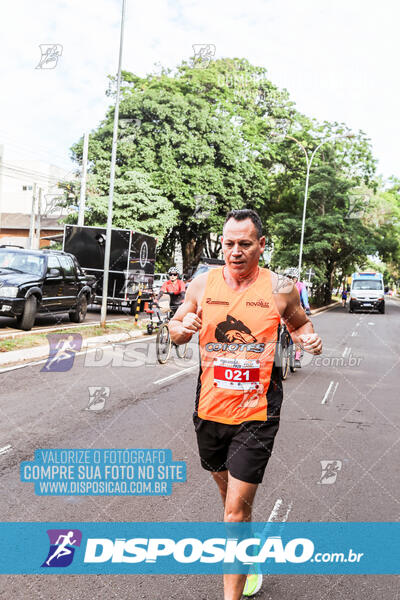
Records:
x=32, y=223
x=38, y=218
x=112, y=178
x=82, y=197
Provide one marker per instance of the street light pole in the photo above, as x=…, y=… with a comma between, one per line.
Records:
x=82, y=197
x=309, y=160
x=107, y=251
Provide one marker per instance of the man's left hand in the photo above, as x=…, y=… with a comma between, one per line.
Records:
x=311, y=342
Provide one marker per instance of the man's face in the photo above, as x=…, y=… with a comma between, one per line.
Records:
x=173, y=276
x=241, y=247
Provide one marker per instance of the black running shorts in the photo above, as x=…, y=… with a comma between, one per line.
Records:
x=242, y=449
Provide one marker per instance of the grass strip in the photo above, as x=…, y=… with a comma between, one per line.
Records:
x=40, y=339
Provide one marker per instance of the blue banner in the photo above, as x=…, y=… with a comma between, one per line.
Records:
x=200, y=548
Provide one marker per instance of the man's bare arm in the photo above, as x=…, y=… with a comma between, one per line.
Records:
x=301, y=329
x=187, y=319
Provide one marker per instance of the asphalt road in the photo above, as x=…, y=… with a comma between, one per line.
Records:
x=343, y=408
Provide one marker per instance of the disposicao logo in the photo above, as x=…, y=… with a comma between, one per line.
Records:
x=191, y=550
x=62, y=547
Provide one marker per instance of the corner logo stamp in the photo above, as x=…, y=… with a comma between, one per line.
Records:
x=50, y=55
x=97, y=398
x=63, y=543
x=330, y=470
x=63, y=347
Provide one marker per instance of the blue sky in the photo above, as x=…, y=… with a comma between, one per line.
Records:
x=338, y=60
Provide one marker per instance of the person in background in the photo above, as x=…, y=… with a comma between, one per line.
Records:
x=293, y=274
x=174, y=288
x=344, y=298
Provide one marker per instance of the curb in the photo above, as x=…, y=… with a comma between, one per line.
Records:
x=316, y=311
x=27, y=355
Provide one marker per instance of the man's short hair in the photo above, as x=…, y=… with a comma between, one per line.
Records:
x=246, y=213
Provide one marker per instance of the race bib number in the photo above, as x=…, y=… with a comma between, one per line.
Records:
x=236, y=373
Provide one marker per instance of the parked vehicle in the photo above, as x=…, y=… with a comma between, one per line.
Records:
x=367, y=292
x=132, y=260
x=206, y=264
x=42, y=281
x=159, y=279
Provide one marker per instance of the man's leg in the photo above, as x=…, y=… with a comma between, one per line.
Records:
x=221, y=479
x=238, y=506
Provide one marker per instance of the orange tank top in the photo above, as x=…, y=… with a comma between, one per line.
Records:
x=237, y=348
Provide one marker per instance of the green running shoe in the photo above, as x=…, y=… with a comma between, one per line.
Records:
x=253, y=584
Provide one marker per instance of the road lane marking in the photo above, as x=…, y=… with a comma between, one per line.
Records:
x=357, y=324
x=345, y=351
x=328, y=391
x=370, y=323
x=287, y=512
x=354, y=333
x=275, y=510
x=324, y=399
x=5, y=449
x=174, y=375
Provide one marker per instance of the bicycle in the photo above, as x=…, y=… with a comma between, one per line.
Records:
x=163, y=340
x=285, y=352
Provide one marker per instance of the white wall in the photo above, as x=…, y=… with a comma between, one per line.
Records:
x=14, y=174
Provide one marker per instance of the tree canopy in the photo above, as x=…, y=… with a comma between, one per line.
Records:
x=197, y=142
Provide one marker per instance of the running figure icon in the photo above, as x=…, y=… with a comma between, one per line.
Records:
x=62, y=549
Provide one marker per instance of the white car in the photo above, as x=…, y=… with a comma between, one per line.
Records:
x=159, y=279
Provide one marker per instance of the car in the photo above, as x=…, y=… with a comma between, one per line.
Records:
x=206, y=264
x=367, y=292
x=159, y=279
x=42, y=281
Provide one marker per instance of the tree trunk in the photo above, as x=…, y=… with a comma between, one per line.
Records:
x=192, y=250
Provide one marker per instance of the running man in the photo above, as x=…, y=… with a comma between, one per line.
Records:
x=62, y=549
x=237, y=309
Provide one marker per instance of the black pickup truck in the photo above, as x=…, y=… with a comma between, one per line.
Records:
x=42, y=281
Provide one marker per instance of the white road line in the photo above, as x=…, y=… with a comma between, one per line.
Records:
x=275, y=510
x=370, y=323
x=354, y=333
x=345, y=351
x=5, y=449
x=174, y=375
x=287, y=512
x=325, y=398
x=334, y=389
x=357, y=324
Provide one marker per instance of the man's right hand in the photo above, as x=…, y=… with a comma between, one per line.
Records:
x=191, y=322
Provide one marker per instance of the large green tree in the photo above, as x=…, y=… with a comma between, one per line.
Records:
x=197, y=142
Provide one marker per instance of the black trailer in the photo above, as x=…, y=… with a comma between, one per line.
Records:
x=132, y=260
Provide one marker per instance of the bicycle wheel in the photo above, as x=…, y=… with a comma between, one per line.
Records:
x=285, y=359
x=181, y=350
x=292, y=356
x=163, y=344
